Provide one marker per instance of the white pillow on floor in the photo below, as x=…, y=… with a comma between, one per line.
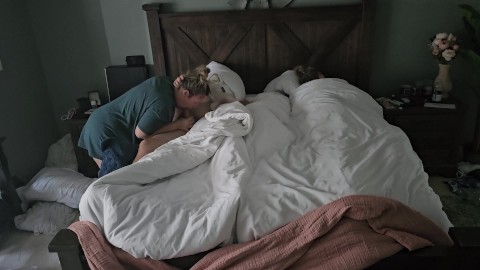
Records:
x=61, y=154
x=56, y=185
x=46, y=218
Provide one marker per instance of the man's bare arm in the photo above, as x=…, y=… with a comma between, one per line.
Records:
x=184, y=124
x=166, y=128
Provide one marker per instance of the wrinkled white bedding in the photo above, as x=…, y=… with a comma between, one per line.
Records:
x=149, y=209
x=332, y=142
x=342, y=146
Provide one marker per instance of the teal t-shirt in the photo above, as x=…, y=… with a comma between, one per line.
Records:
x=150, y=105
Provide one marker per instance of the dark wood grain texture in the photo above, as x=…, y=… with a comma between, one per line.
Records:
x=260, y=44
x=86, y=165
x=434, y=135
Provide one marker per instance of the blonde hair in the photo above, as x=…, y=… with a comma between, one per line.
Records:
x=306, y=73
x=195, y=81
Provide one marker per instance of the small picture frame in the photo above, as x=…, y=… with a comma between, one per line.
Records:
x=94, y=97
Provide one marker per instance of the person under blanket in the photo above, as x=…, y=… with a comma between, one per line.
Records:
x=145, y=117
x=306, y=73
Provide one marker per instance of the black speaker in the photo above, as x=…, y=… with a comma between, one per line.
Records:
x=120, y=79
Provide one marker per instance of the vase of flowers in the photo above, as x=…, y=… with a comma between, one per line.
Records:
x=444, y=47
x=443, y=82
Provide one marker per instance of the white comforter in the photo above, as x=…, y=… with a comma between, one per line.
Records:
x=214, y=187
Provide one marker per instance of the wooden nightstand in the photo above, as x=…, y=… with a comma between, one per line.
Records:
x=86, y=165
x=434, y=134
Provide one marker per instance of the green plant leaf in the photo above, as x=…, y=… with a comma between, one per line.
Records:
x=473, y=58
x=471, y=18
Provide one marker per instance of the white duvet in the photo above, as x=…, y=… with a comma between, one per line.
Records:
x=245, y=171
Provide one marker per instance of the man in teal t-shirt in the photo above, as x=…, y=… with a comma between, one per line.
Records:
x=146, y=114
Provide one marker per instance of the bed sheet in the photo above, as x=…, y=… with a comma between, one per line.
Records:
x=246, y=171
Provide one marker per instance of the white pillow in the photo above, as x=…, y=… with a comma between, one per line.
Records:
x=229, y=77
x=46, y=218
x=286, y=83
x=56, y=185
x=61, y=154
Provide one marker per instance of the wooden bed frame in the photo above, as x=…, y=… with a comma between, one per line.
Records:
x=259, y=45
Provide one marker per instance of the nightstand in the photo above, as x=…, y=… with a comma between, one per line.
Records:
x=433, y=133
x=86, y=165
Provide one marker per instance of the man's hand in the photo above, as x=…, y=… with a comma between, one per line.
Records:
x=178, y=81
x=185, y=123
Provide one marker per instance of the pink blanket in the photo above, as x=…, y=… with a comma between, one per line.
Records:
x=353, y=232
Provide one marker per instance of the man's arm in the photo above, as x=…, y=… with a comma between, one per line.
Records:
x=181, y=124
x=166, y=128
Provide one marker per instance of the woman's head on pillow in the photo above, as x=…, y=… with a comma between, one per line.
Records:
x=222, y=76
x=306, y=73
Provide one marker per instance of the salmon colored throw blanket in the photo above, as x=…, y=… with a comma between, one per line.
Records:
x=353, y=232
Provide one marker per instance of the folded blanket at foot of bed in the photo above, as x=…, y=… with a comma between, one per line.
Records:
x=353, y=232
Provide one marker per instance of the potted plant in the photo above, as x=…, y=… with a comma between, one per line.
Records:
x=471, y=52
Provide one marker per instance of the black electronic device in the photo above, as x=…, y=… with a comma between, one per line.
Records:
x=135, y=60
x=120, y=79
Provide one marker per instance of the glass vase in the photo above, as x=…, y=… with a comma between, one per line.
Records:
x=443, y=80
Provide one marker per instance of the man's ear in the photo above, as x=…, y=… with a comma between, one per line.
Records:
x=184, y=92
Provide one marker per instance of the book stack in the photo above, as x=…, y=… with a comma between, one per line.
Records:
x=439, y=105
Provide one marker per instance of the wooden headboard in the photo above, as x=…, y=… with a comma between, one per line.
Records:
x=260, y=44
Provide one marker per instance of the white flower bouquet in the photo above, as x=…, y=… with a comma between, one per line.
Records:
x=444, y=47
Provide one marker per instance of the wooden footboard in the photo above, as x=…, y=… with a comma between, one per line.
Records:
x=71, y=256
x=69, y=250
x=464, y=254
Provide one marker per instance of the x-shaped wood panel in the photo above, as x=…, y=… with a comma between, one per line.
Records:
x=320, y=53
x=195, y=51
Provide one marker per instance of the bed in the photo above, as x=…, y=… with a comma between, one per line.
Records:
x=235, y=182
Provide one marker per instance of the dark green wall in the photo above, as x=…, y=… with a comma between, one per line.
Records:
x=26, y=115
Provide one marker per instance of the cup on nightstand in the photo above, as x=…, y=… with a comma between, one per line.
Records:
x=405, y=90
x=427, y=90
